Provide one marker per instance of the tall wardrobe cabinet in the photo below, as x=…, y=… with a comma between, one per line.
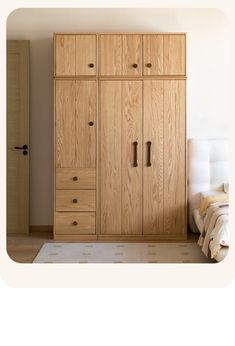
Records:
x=120, y=163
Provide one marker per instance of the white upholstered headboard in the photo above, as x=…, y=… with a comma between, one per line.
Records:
x=208, y=169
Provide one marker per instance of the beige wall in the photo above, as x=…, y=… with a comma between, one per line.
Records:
x=206, y=68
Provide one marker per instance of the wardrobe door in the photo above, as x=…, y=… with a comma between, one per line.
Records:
x=110, y=55
x=132, y=55
x=121, y=157
x=152, y=55
x=174, y=157
x=65, y=122
x=86, y=49
x=110, y=156
x=86, y=117
x=65, y=55
x=174, y=55
x=153, y=170
x=75, y=123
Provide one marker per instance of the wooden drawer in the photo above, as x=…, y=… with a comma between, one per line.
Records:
x=75, y=223
x=75, y=200
x=75, y=178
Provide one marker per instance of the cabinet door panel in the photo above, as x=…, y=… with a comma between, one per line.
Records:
x=86, y=48
x=132, y=55
x=65, y=123
x=153, y=175
x=131, y=175
x=174, y=55
x=65, y=55
x=111, y=55
x=86, y=109
x=121, y=180
x=110, y=156
x=152, y=55
x=174, y=157
x=75, y=138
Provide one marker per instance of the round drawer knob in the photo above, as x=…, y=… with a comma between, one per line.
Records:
x=75, y=223
x=75, y=200
x=135, y=65
x=91, y=65
x=91, y=123
x=149, y=65
x=75, y=178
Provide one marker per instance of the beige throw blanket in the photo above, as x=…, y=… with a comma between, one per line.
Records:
x=215, y=233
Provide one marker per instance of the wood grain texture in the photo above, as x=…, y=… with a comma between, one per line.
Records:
x=131, y=176
x=174, y=157
x=17, y=135
x=85, y=200
x=110, y=156
x=153, y=175
x=65, y=55
x=75, y=223
x=174, y=55
x=75, y=108
x=76, y=178
x=153, y=54
x=86, y=112
x=65, y=123
x=131, y=54
x=86, y=49
x=111, y=55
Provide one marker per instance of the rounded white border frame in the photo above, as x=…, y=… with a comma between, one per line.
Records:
x=112, y=275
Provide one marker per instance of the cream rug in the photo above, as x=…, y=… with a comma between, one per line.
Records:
x=121, y=253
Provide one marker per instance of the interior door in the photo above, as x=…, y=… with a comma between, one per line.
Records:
x=121, y=157
x=17, y=136
x=153, y=144
x=76, y=111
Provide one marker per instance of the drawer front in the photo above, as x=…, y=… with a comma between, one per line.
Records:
x=75, y=223
x=75, y=178
x=75, y=200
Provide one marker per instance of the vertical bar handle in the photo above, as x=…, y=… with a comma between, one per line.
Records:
x=135, y=162
x=149, y=154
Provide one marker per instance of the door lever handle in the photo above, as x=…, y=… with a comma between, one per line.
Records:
x=22, y=148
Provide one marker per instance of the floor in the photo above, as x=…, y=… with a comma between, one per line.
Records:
x=24, y=248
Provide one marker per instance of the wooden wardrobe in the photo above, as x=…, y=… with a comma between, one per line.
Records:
x=120, y=136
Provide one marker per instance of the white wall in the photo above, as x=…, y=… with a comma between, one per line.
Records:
x=207, y=70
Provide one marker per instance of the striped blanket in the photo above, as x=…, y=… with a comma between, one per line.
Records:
x=215, y=233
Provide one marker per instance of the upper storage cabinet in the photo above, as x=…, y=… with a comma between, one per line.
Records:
x=164, y=55
x=76, y=55
x=120, y=55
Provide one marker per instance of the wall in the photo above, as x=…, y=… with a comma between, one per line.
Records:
x=207, y=71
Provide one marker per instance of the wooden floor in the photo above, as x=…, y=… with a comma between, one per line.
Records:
x=24, y=248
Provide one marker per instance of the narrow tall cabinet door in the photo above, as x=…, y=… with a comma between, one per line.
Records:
x=121, y=157
x=174, y=157
x=76, y=111
x=131, y=157
x=110, y=156
x=153, y=141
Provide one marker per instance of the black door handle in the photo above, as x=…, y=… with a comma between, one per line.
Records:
x=149, y=154
x=22, y=148
x=135, y=162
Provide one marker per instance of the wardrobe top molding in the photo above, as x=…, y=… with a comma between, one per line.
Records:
x=135, y=55
x=120, y=33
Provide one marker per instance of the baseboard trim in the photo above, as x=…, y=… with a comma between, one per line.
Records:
x=40, y=228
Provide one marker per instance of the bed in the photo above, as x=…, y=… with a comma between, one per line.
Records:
x=208, y=171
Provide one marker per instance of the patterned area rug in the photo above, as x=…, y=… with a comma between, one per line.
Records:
x=121, y=253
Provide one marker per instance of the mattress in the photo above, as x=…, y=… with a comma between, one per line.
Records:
x=198, y=220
